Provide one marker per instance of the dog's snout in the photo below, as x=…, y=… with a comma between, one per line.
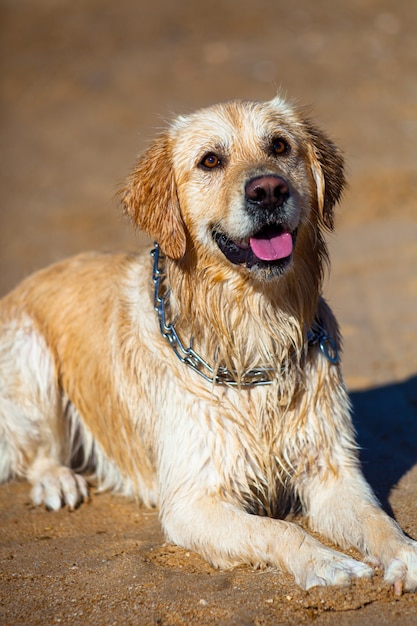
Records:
x=267, y=192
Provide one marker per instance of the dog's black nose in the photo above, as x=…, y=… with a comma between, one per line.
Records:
x=268, y=192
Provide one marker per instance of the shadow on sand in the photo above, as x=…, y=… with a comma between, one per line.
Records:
x=386, y=422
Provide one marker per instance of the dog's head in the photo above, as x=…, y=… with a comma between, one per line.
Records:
x=243, y=181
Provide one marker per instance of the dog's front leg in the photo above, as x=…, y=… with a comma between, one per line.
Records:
x=226, y=536
x=335, y=495
x=342, y=507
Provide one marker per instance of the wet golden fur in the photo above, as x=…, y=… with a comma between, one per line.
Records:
x=86, y=375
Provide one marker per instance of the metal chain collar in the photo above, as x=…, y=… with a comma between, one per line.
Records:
x=222, y=375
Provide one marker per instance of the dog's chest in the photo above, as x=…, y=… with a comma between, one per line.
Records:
x=245, y=445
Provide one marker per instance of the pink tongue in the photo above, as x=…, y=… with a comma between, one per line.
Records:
x=278, y=247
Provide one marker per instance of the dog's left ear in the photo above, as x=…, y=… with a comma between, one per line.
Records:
x=150, y=198
x=326, y=163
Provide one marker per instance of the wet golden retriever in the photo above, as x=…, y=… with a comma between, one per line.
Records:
x=205, y=379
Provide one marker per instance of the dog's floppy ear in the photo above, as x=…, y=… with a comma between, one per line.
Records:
x=150, y=198
x=326, y=164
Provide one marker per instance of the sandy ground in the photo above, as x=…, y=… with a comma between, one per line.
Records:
x=84, y=86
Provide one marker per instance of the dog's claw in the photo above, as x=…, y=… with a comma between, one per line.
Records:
x=398, y=587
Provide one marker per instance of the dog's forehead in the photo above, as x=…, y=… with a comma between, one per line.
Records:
x=224, y=125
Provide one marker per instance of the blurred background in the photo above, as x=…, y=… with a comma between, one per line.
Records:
x=85, y=86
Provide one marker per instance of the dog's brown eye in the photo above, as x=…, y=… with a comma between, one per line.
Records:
x=210, y=161
x=279, y=146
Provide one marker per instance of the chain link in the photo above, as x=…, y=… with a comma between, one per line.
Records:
x=328, y=346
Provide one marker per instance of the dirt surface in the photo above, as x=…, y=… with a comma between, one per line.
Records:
x=84, y=86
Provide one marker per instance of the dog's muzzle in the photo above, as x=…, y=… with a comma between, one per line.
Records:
x=272, y=243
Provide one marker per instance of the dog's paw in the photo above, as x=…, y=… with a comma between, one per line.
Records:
x=401, y=572
x=328, y=567
x=59, y=486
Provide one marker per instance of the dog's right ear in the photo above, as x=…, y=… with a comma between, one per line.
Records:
x=150, y=199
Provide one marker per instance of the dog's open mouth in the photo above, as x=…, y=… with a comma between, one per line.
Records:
x=273, y=245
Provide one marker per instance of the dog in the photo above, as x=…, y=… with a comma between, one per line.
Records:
x=206, y=379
